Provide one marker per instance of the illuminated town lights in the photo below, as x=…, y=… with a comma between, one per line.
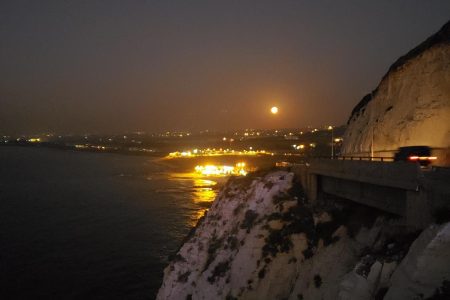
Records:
x=216, y=152
x=34, y=140
x=213, y=170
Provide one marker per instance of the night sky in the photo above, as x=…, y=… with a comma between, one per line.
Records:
x=118, y=66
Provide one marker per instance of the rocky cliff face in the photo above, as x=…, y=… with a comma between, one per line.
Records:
x=260, y=240
x=410, y=106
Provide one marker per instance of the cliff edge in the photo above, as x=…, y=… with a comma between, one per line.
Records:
x=261, y=240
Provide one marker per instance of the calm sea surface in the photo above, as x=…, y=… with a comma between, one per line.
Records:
x=91, y=226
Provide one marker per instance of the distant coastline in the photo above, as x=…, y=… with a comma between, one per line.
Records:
x=59, y=146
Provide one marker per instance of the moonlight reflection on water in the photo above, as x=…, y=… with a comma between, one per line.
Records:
x=203, y=193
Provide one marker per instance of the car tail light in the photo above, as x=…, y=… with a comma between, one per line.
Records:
x=415, y=157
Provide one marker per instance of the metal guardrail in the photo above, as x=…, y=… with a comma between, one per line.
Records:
x=365, y=158
x=358, y=158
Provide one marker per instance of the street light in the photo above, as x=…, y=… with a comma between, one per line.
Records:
x=371, y=145
x=332, y=141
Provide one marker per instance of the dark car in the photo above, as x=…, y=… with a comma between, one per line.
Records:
x=418, y=154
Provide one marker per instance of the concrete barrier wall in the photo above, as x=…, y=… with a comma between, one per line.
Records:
x=307, y=180
x=388, y=199
x=398, y=175
x=398, y=188
x=436, y=183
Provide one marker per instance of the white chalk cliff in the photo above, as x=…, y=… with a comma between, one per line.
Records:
x=260, y=240
x=410, y=106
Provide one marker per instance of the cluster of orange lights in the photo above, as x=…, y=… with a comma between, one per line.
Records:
x=97, y=147
x=213, y=170
x=33, y=140
x=216, y=152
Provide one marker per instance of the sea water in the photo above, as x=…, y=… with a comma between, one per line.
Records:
x=77, y=225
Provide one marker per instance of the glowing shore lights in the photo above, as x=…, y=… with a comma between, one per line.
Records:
x=213, y=170
x=216, y=152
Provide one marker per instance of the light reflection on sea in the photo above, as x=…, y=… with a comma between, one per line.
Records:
x=201, y=190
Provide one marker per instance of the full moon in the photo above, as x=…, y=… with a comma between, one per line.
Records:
x=274, y=110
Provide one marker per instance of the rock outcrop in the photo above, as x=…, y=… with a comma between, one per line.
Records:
x=261, y=240
x=410, y=106
x=426, y=266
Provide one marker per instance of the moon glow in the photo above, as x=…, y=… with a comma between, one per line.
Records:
x=274, y=110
